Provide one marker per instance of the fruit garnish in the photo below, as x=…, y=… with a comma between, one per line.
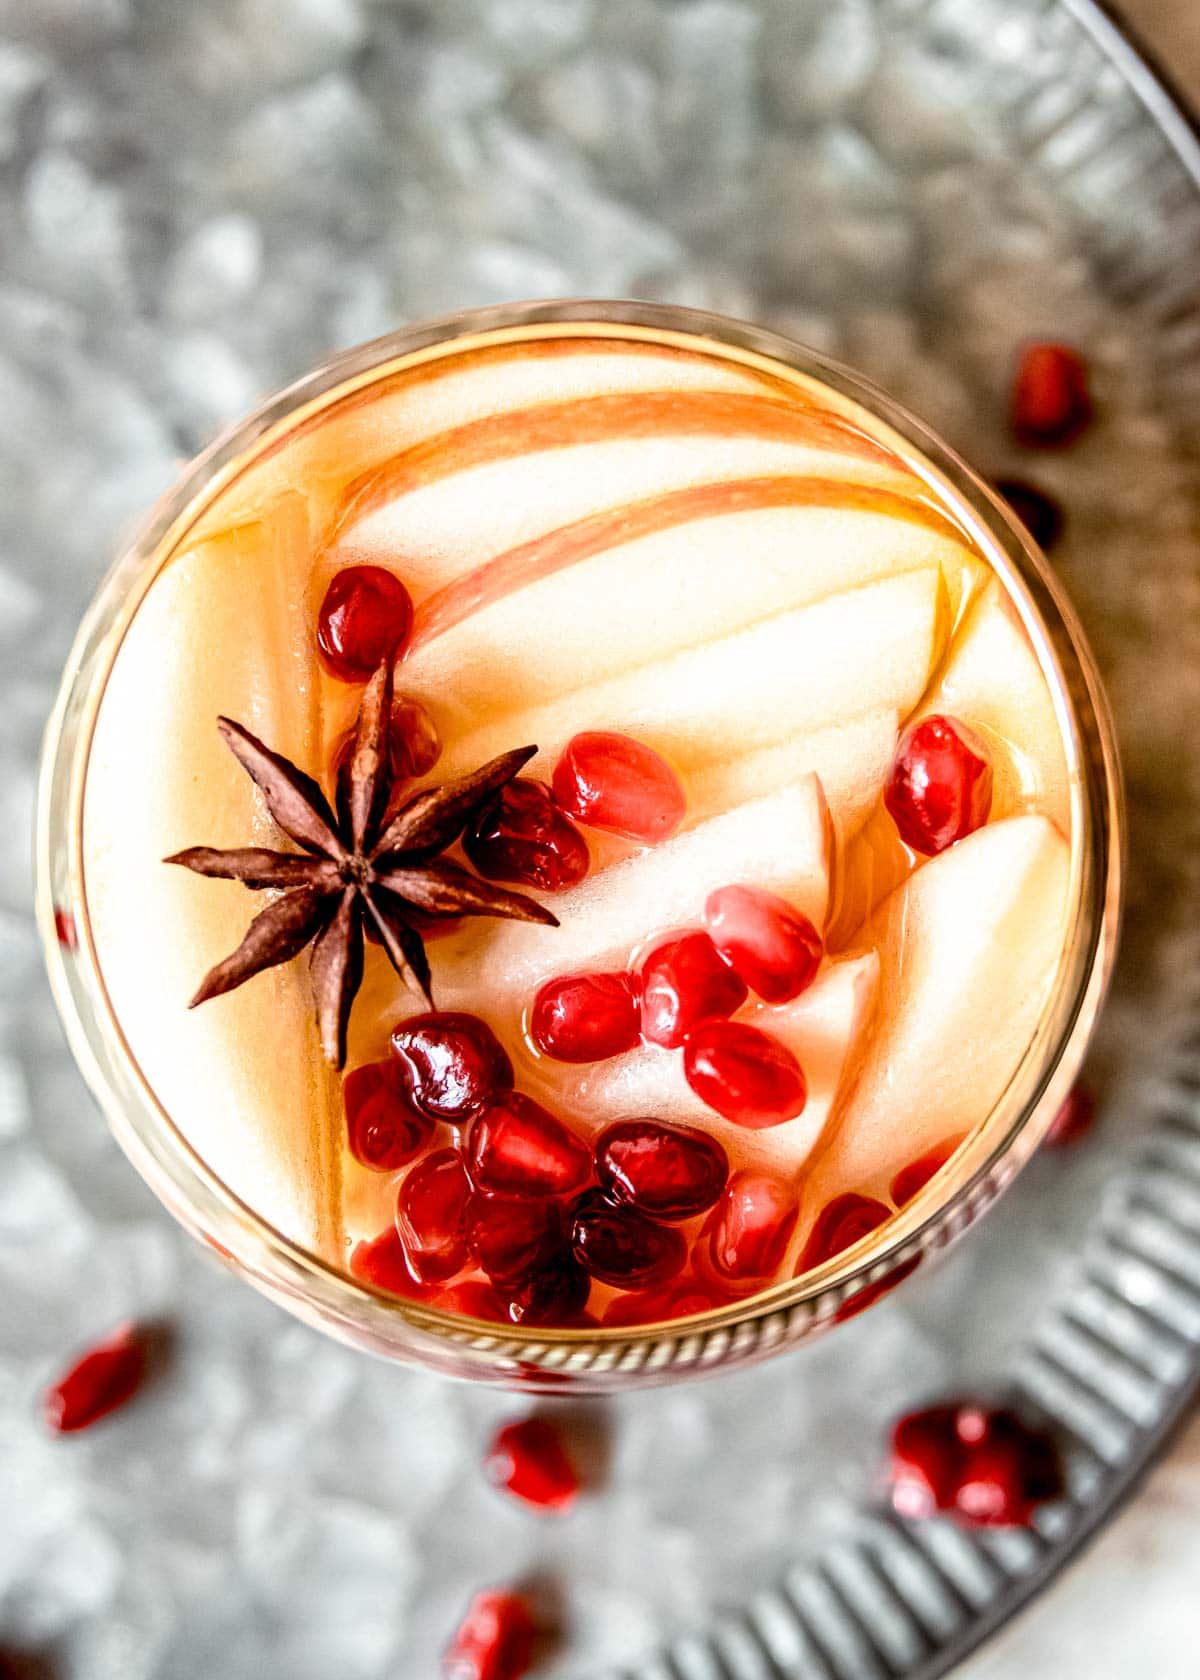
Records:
x=554, y=1293
x=65, y=930
x=1039, y=513
x=916, y=1175
x=473, y=1299
x=521, y=835
x=383, y=1128
x=685, y=981
x=839, y=1225
x=382, y=1262
x=105, y=1377
x=1051, y=404
x=494, y=1640
x=744, y=1074
x=1073, y=1120
x=365, y=618
x=941, y=784
x=621, y=1246
x=528, y=1460
x=613, y=782
x=413, y=743
x=751, y=1226
x=984, y=1464
x=517, y=1148
x=512, y=1238
x=667, y=1172
x=770, y=945
x=353, y=866
x=452, y=1064
x=679, y=1299
x=431, y=1216
x=586, y=1017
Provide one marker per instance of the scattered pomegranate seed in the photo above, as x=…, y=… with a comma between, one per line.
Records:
x=364, y=619
x=473, y=1299
x=1051, y=404
x=667, y=1172
x=431, y=1216
x=839, y=1225
x=614, y=782
x=518, y=1148
x=414, y=745
x=746, y=1075
x=453, y=1063
x=1074, y=1119
x=65, y=930
x=104, y=1378
x=941, y=784
x=528, y=1460
x=511, y=1238
x=621, y=1246
x=556, y=1294
x=522, y=836
x=984, y=1464
x=767, y=942
x=382, y=1262
x=494, y=1641
x=1039, y=513
x=686, y=981
x=586, y=1017
x=383, y=1128
x=916, y=1175
x=752, y=1226
x=681, y=1299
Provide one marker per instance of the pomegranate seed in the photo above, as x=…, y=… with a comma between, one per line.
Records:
x=528, y=1460
x=522, y=836
x=840, y=1224
x=518, y=1148
x=383, y=1128
x=866, y=1297
x=984, y=1464
x=752, y=1226
x=107, y=1375
x=1039, y=513
x=431, y=1213
x=916, y=1175
x=614, y=782
x=686, y=981
x=586, y=1017
x=941, y=784
x=65, y=930
x=621, y=1246
x=554, y=1294
x=1050, y=404
x=364, y=619
x=1073, y=1120
x=668, y=1172
x=746, y=1075
x=767, y=942
x=414, y=745
x=681, y=1299
x=510, y=1238
x=494, y=1641
x=453, y=1063
x=473, y=1299
x=382, y=1262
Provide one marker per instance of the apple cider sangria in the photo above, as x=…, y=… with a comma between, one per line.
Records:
x=606, y=813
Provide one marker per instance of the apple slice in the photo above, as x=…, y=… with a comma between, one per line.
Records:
x=852, y=761
x=823, y=1028
x=993, y=682
x=567, y=610
x=872, y=864
x=222, y=630
x=781, y=842
x=864, y=650
x=968, y=947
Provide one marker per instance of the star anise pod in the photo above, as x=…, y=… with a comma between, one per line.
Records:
x=358, y=865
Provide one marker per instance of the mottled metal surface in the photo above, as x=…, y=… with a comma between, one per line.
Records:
x=196, y=203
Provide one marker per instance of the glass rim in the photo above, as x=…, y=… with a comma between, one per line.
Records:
x=164, y=1156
